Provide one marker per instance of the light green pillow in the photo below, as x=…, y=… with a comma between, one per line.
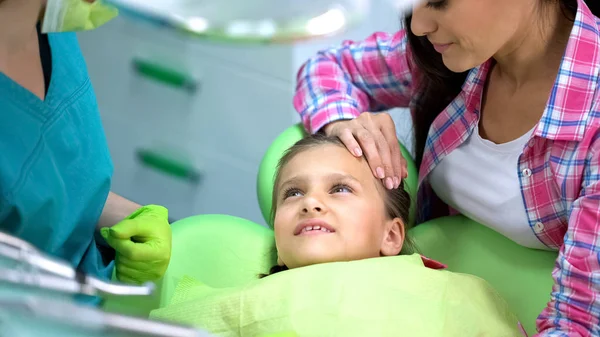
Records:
x=388, y=296
x=219, y=250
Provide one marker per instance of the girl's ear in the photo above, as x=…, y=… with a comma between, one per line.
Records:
x=393, y=237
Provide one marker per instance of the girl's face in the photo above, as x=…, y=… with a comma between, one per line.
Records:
x=469, y=32
x=330, y=208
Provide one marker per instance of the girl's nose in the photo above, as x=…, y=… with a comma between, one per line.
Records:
x=312, y=205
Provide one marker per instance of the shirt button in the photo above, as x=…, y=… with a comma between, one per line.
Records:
x=526, y=172
x=538, y=227
x=531, y=142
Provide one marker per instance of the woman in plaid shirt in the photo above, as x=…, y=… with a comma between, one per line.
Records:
x=505, y=98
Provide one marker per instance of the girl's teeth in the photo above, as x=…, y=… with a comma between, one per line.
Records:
x=316, y=228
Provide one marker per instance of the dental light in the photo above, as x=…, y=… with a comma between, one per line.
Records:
x=254, y=21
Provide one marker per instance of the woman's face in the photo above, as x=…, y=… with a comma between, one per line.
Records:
x=330, y=208
x=469, y=32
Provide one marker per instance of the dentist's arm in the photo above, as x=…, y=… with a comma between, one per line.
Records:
x=116, y=209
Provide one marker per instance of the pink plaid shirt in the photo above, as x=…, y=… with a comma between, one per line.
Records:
x=559, y=169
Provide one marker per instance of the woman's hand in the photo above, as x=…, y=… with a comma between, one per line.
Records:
x=375, y=136
x=142, y=242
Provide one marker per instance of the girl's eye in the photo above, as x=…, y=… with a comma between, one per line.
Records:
x=291, y=192
x=340, y=188
x=437, y=4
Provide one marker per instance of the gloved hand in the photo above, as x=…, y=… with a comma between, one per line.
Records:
x=142, y=242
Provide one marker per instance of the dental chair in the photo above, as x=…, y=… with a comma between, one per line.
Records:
x=222, y=251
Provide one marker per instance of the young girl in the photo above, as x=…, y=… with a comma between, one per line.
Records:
x=338, y=234
x=327, y=208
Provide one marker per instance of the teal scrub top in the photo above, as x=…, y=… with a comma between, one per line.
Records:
x=55, y=167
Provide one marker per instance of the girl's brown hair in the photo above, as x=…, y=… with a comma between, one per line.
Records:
x=397, y=201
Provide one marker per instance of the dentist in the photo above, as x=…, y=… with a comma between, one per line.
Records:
x=55, y=167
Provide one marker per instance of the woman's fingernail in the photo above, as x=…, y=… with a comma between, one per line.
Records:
x=389, y=183
x=396, y=182
x=380, y=173
x=358, y=152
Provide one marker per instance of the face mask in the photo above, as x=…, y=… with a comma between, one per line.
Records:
x=76, y=15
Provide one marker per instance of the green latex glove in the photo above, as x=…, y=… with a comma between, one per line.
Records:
x=143, y=244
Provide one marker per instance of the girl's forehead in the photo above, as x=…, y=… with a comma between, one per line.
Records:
x=325, y=160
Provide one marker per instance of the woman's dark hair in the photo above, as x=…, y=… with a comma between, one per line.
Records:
x=438, y=85
x=397, y=201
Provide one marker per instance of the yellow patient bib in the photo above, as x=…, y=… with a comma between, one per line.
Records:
x=388, y=296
